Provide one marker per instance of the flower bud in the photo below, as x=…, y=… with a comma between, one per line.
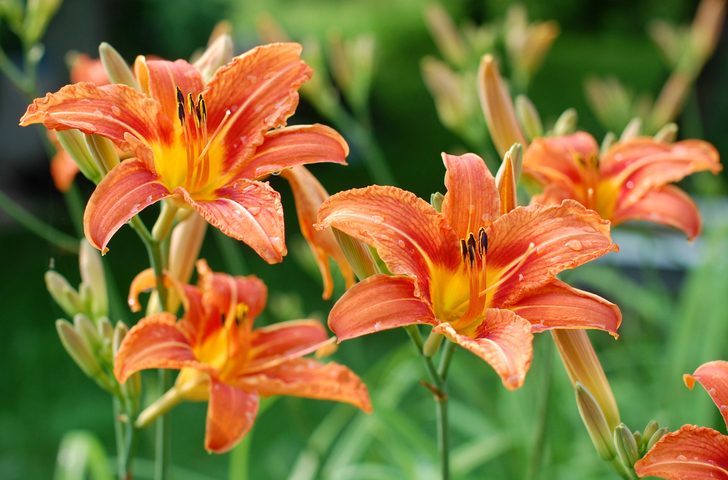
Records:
x=632, y=130
x=528, y=117
x=626, y=445
x=595, y=422
x=506, y=178
x=446, y=35
x=86, y=329
x=74, y=143
x=357, y=254
x=667, y=134
x=656, y=437
x=78, y=348
x=63, y=293
x=497, y=107
x=352, y=66
x=92, y=275
x=436, y=200
x=609, y=140
x=37, y=15
x=116, y=67
x=217, y=54
x=566, y=123
x=103, y=152
x=105, y=329
x=446, y=89
x=649, y=430
x=120, y=331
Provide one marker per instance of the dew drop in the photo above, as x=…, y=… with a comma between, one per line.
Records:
x=377, y=219
x=681, y=458
x=629, y=185
x=574, y=245
x=115, y=110
x=400, y=243
x=520, y=277
x=254, y=210
x=277, y=243
x=377, y=326
x=149, y=199
x=724, y=408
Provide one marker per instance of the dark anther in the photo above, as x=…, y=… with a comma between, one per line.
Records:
x=471, y=249
x=198, y=112
x=180, y=106
x=482, y=242
x=203, y=108
x=191, y=103
x=464, y=249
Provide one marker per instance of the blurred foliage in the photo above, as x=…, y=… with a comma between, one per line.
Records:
x=673, y=320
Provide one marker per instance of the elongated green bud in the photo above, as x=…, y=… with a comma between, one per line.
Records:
x=357, y=254
x=103, y=152
x=78, y=348
x=217, y=54
x=116, y=67
x=632, y=130
x=650, y=429
x=436, y=200
x=656, y=437
x=528, y=117
x=74, y=143
x=37, y=15
x=120, y=331
x=566, y=123
x=92, y=275
x=595, y=422
x=626, y=445
x=86, y=328
x=63, y=293
x=667, y=134
x=609, y=140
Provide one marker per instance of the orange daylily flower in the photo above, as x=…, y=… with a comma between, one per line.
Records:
x=693, y=453
x=485, y=281
x=226, y=361
x=63, y=168
x=205, y=146
x=632, y=181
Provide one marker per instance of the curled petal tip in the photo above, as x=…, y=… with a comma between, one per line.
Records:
x=689, y=381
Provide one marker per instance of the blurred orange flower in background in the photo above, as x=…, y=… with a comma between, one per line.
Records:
x=631, y=181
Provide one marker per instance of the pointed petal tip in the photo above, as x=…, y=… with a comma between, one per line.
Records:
x=689, y=381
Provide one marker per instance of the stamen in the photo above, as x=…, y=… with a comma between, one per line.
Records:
x=180, y=106
x=464, y=249
x=482, y=242
x=471, y=249
x=204, y=170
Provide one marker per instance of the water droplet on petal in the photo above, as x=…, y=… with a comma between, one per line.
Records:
x=574, y=245
x=115, y=110
x=254, y=210
x=400, y=243
x=277, y=243
x=681, y=458
x=520, y=277
x=377, y=326
x=629, y=185
x=377, y=219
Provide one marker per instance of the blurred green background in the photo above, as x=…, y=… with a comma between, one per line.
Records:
x=675, y=311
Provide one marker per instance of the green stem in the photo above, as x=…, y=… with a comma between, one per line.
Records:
x=239, y=468
x=36, y=225
x=543, y=409
x=162, y=448
x=15, y=75
x=74, y=204
x=125, y=439
x=439, y=391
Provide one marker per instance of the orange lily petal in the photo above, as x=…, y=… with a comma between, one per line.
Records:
x=552, y=238
x=260, y=89
x=409, y=235
x=691, y=453
x=555, y=160
x=126, y=190
x=147, y=280
x=154, y=342
x=248, y=211
x=280, y=342
x=504, y=340
x=225, y=292
x=471, y=201
x=298, y=145
x=305, y=377
x=309, y=194
x=668, y=205
x=559, y=305
x=231, y=413
x=160, y=79
x=644, y=164
x=713, y=376
x=380, y=302
x=63, y=170
x=112, y=111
